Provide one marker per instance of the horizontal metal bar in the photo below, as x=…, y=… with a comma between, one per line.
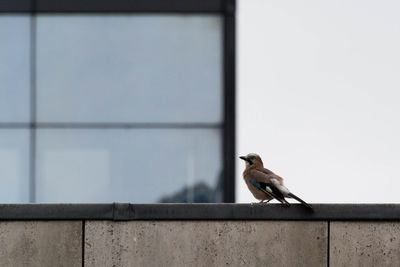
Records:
x=112, y=6
x=106, y=125
x=15, y=125
x=129, y=125
x=130, y=6
x=127, y=211
x=15, y=6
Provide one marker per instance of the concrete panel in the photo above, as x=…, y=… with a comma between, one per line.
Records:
x=205, y=243
x=41, y=243
x=364, y=244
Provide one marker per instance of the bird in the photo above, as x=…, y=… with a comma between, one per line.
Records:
x=264, y=184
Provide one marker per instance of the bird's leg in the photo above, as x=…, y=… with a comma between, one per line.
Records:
x=265, y=201
x=261, y=201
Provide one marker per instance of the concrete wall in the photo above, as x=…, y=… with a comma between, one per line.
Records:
x=199, y=243
x=41, y=243
x=205, y=243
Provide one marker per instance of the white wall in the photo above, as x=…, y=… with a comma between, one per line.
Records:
x=318, y=96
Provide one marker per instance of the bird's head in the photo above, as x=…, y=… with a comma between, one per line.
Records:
x=252, y=159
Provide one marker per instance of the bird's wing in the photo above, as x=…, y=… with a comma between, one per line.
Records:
x=278, y=184
x=271, y=175
x=271, y=179
x=259, y=176
x=267, y=190
x=266, y=171
x=265, y=183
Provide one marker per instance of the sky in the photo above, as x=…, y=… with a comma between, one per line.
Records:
x=318, y=97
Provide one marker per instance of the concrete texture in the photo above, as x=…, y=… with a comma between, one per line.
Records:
x=205, y=243
x=364, y=244
x=41, y=243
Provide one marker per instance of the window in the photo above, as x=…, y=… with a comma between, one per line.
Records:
x=118, y=102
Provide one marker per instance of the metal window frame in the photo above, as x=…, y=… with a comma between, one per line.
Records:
x=226, y=8
x=112, y=6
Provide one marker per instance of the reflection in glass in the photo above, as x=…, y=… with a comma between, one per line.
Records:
x=14, y=165
x=127, y=165
x=129, y=68
x=14, y=68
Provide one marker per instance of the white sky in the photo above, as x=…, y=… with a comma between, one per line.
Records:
x=318, y=97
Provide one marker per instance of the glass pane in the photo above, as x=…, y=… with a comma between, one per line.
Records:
x=91, y=165
x=129, y=68
x=14, y=165
x=14, y=68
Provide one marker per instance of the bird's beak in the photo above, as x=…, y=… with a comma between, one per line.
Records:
x=243, y=158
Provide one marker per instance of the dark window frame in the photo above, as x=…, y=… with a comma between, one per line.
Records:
x=226, y=8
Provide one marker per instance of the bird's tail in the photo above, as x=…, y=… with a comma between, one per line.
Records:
x=283, y=201
x=300, y=200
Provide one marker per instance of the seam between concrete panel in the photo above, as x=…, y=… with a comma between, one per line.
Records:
x=83, y=243
x=329, y=244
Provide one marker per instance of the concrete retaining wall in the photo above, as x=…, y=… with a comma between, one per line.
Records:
x=123, y=234
x=199, y=243
x=205, y=243
x=41, y=243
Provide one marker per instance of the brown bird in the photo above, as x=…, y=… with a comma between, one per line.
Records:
x=264, y=184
